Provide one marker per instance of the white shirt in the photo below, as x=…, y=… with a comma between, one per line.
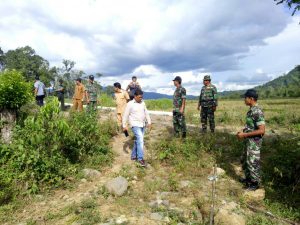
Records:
x=137, y=114
x=40, y=88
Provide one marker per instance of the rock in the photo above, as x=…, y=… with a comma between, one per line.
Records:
x=219, y=172
x=83, y=180
x=156, y=203
x=229, y=218
x=122, y=219
x=117, y=186
x=185, y=184
x=255, y=196
x=65, y=197
x=157, y=216
x=90, y=173
x=227, y=215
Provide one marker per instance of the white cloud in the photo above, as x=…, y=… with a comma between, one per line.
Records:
x=157, y=40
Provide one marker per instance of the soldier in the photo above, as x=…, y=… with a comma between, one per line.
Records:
x=252, y=135
x=121, y=98
x=78, y=96
x=60, y=92
x=179, y=100
x=208, y=101
x=132, y=87
x=91, y=95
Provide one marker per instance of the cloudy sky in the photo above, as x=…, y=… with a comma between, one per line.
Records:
x=240, y=43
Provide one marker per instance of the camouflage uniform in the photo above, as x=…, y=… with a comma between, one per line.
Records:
x=179, y=118
x=251, y=156
x=208, y=100
x=91, y=89
x=60, y=95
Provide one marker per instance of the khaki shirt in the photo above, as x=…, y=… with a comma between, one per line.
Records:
x=79, y=92
x=121, y=100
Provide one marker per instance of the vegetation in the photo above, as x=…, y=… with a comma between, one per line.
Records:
x=285, y=86
x=295, y=4
x=49, y=147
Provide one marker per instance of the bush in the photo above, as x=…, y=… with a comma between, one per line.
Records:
x=50, y=147
x=14, y=91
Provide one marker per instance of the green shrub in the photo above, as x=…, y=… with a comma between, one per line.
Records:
x=106, y=100
x=14, y=91
x=50, y=147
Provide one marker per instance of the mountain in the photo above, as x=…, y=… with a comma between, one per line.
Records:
x=154, y=95
x=287, y=85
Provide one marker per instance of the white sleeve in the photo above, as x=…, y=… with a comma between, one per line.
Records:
x=126, y=115
x=147, y=114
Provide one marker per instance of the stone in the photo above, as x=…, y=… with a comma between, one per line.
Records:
x=157, y=216
x=83, y=180
x=255, y=196
x=185, y=184
x=219, y=172
x=122, y=219
x=117, y=186
x=229, y=218
x=90, y=173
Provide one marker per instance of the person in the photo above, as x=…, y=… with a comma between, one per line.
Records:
x=132, y=87
x=179, y=101
x=208, y=101
x=60, y=92
x=252, y=135
x=91, y=95
x=137, y=114
x=121, y=98
x=39, y=91
x=78, y=96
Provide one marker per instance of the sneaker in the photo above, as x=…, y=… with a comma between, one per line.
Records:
x=142, y=163
x=253, y=186
x=134, y=159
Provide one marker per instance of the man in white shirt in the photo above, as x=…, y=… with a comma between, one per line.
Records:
x=137, y=114
x=39, y=91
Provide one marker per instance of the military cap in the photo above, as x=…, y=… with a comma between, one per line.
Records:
x=206, y=77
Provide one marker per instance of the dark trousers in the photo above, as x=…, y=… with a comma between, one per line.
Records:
x=61, y=99
x=207, y=113
x=40, y=100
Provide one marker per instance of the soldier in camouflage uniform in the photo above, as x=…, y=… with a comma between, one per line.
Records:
x=179, y=100
x=208, y=101
x=91, y=95
x=252, y=135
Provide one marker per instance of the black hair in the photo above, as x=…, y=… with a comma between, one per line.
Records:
x=78, y=79
x=134, y=77
x=60, y=80
x=37, y=78
x=117, y=85
x=138, y=92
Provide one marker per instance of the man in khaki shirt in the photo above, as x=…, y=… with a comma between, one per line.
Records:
x=78, y=96
x=121, y=98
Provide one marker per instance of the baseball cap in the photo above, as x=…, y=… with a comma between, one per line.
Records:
x=177, y=78
x=91, y=77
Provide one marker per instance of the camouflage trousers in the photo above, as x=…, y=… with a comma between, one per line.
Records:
x=91, y=106
x=179, y=122
x=207, y=112
x=251, y=159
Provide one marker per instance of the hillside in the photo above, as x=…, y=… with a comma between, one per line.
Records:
x=154, y=95
x=287, y=85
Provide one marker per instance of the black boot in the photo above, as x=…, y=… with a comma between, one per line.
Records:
x=183, y=134
x=204, y=130
x=212, y=130
x=253, y=186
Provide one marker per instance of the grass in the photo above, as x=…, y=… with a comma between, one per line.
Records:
x=194, y=158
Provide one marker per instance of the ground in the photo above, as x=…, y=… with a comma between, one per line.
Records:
x=159, y=194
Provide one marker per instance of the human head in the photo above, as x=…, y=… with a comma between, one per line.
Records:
x=206, y=80
x=78, y=81
x=91, y=78
x=138, y=95
x=177, y=81
x=37, y=78
x=117, y=86
x=251, y=97
x=134, y=78
x=60, y=81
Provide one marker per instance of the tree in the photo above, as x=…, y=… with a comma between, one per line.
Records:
x=1, y=59
x=292, y=4
x=26, y=61
x=14, y=93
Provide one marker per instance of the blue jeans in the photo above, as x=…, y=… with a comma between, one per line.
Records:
x=138, y=147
